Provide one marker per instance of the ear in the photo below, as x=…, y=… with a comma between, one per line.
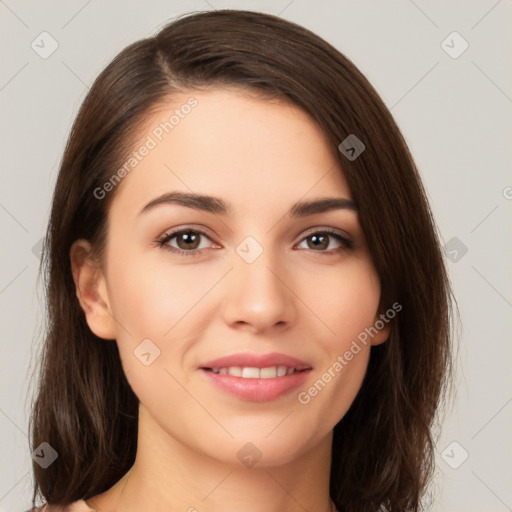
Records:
x=383, y=325
x=91, y=290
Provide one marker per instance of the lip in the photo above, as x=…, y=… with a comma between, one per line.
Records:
x=256, y=390
x=251, y=360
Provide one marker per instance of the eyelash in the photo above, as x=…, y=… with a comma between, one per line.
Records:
x=166, y=237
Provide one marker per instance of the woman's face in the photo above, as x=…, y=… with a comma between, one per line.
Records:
x=255, y=275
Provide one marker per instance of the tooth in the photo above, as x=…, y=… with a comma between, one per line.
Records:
x=236, y=371
x=281, y=371
x=268, y=373
x=250, y=373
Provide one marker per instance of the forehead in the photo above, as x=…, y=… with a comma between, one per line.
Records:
x=233, y=144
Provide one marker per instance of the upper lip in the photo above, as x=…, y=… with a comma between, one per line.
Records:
x=251, y=360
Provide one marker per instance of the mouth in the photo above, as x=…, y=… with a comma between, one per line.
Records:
x=255, y=377
x=269, y=372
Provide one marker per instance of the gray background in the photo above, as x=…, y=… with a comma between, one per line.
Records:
x=454, y=113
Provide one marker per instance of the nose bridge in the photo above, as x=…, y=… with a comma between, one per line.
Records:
x=257, y=293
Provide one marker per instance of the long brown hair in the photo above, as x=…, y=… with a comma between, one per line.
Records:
x=383, y=448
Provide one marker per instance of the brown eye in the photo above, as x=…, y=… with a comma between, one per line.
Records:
x=318, y=241
x=188, y=240
x=325, y=242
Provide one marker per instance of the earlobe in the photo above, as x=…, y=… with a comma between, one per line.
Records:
x=91, y=290
x=383, y=325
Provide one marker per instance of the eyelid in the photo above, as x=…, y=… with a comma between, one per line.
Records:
x=196, y=228
x=326, y=229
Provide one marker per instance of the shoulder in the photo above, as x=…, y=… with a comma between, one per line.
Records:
x=77, y=506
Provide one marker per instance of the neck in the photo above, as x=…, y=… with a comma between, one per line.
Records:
x=169, y=475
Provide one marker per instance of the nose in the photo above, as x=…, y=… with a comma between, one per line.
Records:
x=257, y=296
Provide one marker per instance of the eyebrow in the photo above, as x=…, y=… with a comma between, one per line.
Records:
x=218, y=206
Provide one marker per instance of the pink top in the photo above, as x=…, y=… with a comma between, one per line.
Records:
x=77, y=506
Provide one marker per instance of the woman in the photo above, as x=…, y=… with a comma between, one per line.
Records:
x=248, y=306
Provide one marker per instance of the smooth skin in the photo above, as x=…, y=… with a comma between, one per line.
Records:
x=299, y=298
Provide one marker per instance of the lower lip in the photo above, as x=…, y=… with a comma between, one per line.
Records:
x=257, y=390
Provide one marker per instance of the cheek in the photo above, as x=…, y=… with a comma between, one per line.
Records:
x=345, y=300
x=149, y=299
x=151, y=309
x=347, y=306
x=165, y=304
